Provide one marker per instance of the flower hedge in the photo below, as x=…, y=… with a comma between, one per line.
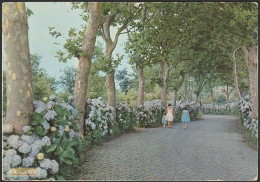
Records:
x=150, y=115
x=51, y=144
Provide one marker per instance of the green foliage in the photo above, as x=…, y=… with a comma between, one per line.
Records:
x=65, y=150
x=28, y=12
x=67, y=80
x=122, y=77
x=221, y=99
x=42, y=84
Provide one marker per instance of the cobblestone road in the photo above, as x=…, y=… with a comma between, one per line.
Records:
x=210, y=149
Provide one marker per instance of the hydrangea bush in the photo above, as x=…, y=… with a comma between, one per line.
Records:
x=99, y=120
x=150, y=115
x=223, y=109
x=125, y=118
x=245, y=113
x=51, y=144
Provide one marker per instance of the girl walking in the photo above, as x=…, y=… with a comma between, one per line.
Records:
x=164, y=121
x=185, y=117
x=169, y=115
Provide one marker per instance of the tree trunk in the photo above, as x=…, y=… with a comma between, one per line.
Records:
x=227, y=94
x=84, y=65
x=175, y=91
x=161, y=76
x=212, y=96
x=111, y=89
x=197, y=97
x=251, y=57
x=235, y=74
x=18, y=66
x=140, y=72
x=165, y=82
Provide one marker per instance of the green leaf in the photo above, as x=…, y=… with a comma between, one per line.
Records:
x=51, y=148
x=59, y=109
x=62, y=122
x=68, y=153
x=67, y=161
x=40, y=131
x=59, y=150
x=37, y=116
x=35, y=122
x=59, y=177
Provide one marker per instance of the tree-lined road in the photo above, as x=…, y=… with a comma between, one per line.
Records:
x=211, y=148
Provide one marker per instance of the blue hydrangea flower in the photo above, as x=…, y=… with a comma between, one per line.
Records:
x=14, y=141
x=28, y=161
x=24, y=148
x=46, y=141
x=45, y=125
x=26, y=128
x=50, y=115
x=52, y=97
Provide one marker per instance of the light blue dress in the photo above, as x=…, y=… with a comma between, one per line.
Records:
x=185, y=116
x=164, y=121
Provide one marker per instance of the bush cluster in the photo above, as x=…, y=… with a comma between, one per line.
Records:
x=51, y=143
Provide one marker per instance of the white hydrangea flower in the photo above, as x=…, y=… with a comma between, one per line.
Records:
x=35, y=150
x=39, y=109
x=51, y=103
x=6, y=167
x=26, y=128
x=22, y=177
x=29, y=138
x=71, y=133
x=45, y=125
x=93, y=126
x=50, y=115
x=46, y=141
x=45, y=163
x=14, y=141
x=52, y=97
x=54, y=166
x=28, y=161
x=24, y=148
x=61, y=130
x=8, y=159
x=10, y=152
x=42, y=173
x=38, y=104
x=16, y=160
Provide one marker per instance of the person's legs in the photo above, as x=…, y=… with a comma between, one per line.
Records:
x=185, y=125
x=163, y=125
x=170, y=124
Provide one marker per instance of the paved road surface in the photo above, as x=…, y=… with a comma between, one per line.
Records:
x=210, y=149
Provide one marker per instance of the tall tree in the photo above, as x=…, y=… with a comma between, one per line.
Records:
x=18, y=70
x=120, y=15
x=95, y=20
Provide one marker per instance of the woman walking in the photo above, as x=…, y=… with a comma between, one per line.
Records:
x=169, y=115
x=185, y=117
